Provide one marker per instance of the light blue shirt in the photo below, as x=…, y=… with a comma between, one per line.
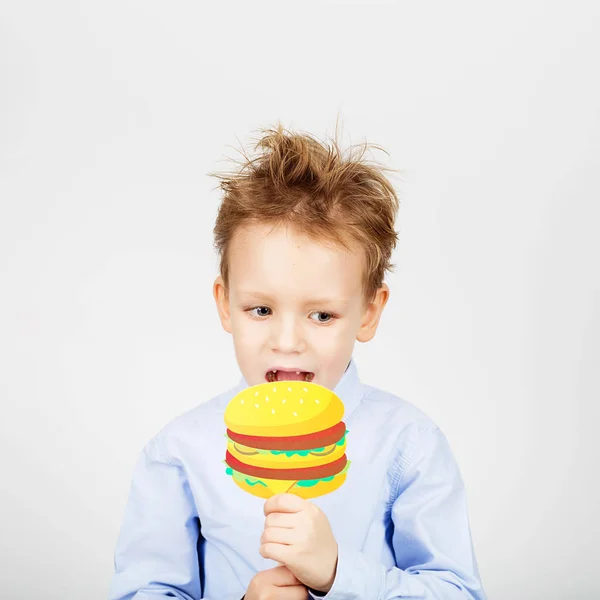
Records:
x=400, y=519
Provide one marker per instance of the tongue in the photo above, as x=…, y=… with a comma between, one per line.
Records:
x=290, y=376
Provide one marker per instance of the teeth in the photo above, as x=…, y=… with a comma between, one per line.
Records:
x=272, y=375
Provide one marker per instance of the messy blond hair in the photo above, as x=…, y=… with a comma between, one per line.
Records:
x=317, y=189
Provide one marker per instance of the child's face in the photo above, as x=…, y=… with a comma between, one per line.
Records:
x=294, y=303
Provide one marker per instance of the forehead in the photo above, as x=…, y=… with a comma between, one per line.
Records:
x=282, y=262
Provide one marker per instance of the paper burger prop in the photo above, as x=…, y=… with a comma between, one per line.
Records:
x=286, y=436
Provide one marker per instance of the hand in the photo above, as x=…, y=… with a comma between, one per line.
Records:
x=298, y=535
x=278, y=583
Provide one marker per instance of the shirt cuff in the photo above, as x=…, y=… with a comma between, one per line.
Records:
x=357, y=577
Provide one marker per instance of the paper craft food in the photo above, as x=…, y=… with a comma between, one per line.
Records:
x=286, y=436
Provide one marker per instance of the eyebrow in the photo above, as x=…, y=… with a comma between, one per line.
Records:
x=308, y=301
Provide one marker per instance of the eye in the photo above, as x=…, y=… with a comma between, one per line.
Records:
x=263, y=311
x=330, y=316
x=259, y=308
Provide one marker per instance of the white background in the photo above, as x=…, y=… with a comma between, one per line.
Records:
x=111, y=116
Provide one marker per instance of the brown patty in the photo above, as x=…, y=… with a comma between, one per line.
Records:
x=319, y=439
x=298, y=474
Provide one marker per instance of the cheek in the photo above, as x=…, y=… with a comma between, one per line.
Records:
x=331, y=346
x=246, y=331
x=334, y=336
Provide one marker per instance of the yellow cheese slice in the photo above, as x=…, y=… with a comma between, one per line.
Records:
x=279, y=486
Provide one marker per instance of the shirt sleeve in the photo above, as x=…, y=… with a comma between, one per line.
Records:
x=431, y=536
x=156, y=554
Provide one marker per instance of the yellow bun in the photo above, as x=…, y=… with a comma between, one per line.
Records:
x=283, y=408
x=282, y=461
x=278, y=486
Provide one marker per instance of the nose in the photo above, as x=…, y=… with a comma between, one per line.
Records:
x=287, y=335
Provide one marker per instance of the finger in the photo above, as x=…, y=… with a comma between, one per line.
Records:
x=278, y=552
x=294, y=592
x=279, y=535
x=281, y=576
x=285, y=503
x=276, y=519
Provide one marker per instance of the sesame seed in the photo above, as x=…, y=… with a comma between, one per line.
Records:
x=241, y=402
x=295, y=415
x=256, y=393
x=289, y=389
x=317, y=401
x=273, y=411
x=283, y=401
x=305, y=389
x=256, y=405
x=301, y=401
x=274, y=389
x=267, y=399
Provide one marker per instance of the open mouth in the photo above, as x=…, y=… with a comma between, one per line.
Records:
x=272, y=376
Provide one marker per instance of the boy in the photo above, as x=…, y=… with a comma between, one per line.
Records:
x=305, y=234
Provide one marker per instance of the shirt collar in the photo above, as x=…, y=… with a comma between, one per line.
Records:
x=349, y=389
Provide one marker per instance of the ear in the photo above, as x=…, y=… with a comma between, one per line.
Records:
x=222, y=300
x=372, y=314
